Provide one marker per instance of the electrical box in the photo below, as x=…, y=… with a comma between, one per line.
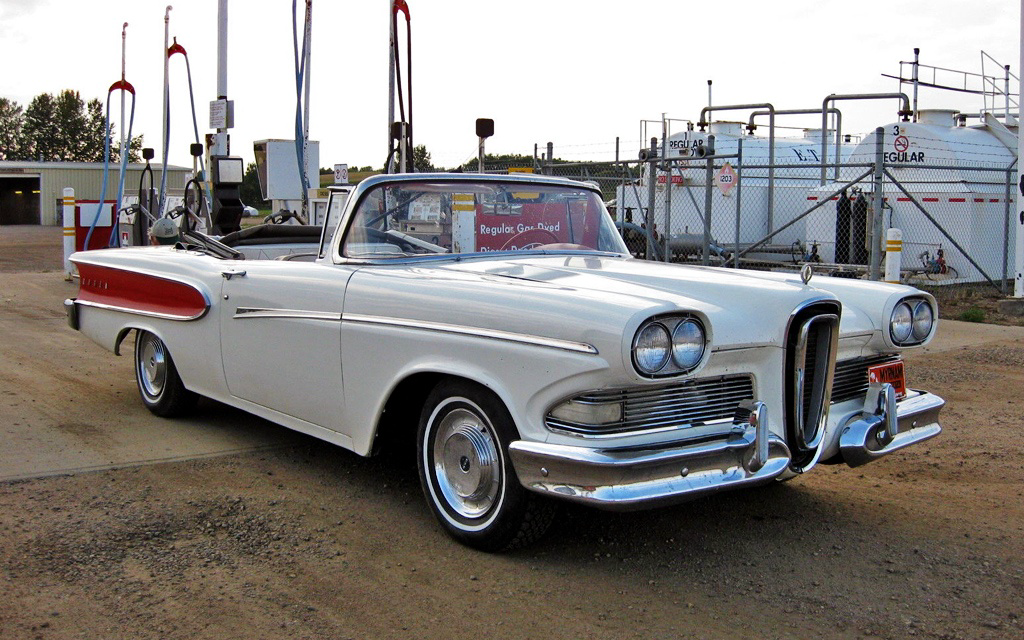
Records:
x=278, y=168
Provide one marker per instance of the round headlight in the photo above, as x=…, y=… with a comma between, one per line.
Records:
x=687, y=344
x=923, y=320
x=901, y=324
x=651, y=348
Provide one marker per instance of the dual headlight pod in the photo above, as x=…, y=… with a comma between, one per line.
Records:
x=911, y=322
x=669, y=345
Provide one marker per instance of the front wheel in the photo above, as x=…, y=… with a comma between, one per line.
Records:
x=160, y=386
x=464, y=468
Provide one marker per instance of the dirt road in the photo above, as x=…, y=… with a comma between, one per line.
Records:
x=117, y=524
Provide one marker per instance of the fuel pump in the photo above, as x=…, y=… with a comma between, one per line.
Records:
x=227, y=198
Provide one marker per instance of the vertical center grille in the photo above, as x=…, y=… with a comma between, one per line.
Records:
x=811, y=342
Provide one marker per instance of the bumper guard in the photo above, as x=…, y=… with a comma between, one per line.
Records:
x=886, y=425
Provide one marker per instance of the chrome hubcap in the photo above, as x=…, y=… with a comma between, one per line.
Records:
x=152, y=366
x=467, y=465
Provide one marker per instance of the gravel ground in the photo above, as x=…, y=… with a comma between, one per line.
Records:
x=304, y=540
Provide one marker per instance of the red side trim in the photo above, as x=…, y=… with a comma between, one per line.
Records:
x=958, y=200
x=929, y=199
x=140, y=292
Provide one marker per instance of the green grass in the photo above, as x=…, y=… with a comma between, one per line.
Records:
x=974, y=314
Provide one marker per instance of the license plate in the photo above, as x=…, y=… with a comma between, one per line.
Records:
x=892, y=373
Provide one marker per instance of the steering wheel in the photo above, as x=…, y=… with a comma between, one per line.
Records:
x=531, y=238
x=282, y=217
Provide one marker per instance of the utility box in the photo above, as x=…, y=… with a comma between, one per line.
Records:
x=278, y=171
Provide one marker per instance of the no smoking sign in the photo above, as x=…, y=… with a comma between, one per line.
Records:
x=901, y=143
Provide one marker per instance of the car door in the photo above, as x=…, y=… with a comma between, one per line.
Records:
x=281, y=337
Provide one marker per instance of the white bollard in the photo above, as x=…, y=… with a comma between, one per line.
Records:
x=893, y=252
x=69, y=230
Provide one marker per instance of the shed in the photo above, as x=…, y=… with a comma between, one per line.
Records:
x=30, y=192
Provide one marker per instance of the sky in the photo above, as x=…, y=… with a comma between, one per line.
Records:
x=577, y=74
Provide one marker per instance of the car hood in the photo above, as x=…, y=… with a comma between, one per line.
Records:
x=593, y=298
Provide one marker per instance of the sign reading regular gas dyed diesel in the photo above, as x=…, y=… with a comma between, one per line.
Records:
x=503, y=227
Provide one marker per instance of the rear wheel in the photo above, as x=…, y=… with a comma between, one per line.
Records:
x=160, y=386
x=465, y=471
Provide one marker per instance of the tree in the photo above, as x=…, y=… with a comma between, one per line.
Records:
x=64, y=128
x=73, y=129
x=421, y=159
x=12, y=120
x=249, y=192
x=95, y=131
x=134, y=149
x=41, y=131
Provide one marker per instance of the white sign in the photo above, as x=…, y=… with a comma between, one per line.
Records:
x=726, y=179
x=222, y=114
x=341, y=174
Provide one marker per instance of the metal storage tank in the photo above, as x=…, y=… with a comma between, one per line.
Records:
x=941, y=163
x=798, y=168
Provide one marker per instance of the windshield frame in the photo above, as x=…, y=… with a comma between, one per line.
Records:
x=479, y=183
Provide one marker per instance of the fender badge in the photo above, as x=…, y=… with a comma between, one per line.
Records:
x=806, y=272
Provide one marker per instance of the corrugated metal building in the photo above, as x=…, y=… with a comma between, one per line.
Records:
x=30, y=192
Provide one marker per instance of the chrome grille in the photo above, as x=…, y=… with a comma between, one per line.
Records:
x=811, y=342
x=851, y=379
x=664, y=407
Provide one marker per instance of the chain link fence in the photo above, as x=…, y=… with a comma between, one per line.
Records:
x=955, y=219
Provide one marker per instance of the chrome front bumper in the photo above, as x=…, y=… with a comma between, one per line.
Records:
x=638, y=478
x=885, y=425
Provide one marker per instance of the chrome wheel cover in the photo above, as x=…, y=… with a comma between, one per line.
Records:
x=467, y=464
x=152, y=366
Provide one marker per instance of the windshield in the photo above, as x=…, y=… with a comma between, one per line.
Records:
x=396, y=220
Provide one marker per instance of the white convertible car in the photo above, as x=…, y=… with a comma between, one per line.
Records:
x=500, y=322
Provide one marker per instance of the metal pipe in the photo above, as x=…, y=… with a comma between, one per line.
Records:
x=1006, y=94
x=771, y=147
x=1006, y=225
x=917, y=58
x=793, y=112
x=652, y=178
x=876, y=213
x=666, y=235
x=124, y=131
x=220, y=146
x=905, y=113
x=709, y=176
x=167, y=98
x=739, y=195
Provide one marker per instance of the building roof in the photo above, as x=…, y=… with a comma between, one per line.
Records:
x=26, y=165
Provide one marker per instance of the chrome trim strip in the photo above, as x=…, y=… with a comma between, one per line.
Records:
x=493, y=334
x=294, y=314
x=148, y=314
x=745, y=347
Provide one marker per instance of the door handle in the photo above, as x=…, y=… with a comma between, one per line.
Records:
x=232, y=273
